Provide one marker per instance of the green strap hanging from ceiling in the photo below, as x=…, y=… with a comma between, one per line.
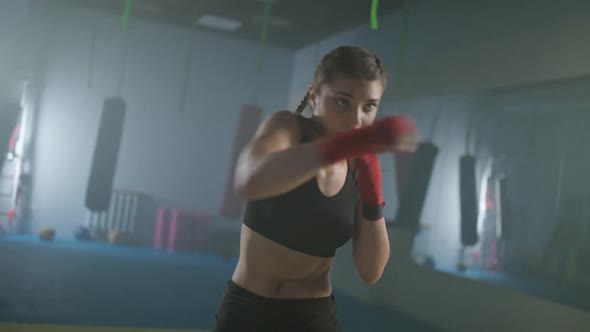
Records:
x=263, y=34
x=374, y=21
x=126, y=13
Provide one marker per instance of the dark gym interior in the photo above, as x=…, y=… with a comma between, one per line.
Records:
x=121, y=123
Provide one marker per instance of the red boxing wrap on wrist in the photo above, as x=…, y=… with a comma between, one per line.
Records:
x=357, y=142
x=368, y=176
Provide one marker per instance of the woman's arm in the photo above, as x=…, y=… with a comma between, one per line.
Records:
x=274, y=162
x=370, y=241
x=370, y=247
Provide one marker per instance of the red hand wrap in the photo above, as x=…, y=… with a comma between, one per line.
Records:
x=368, y=175
x=357, y=142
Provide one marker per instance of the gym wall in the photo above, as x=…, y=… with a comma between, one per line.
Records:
x=179, y=155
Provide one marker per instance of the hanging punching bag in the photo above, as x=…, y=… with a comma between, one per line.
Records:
x=468, y=194
x=468, y=190
x=413, y=190
x=403, y=164
x=106, y=153
x=412, y=199
x=505, y=213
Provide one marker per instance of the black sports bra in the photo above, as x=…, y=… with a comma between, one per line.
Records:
x=304, y=219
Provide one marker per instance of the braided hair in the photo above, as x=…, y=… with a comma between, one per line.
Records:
x=302, y=104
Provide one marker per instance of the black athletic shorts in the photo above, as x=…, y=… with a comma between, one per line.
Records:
x=243, y=311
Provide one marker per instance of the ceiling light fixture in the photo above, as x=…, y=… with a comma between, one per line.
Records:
x=220, y=23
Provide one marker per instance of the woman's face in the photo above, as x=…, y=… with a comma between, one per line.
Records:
x=345, y=104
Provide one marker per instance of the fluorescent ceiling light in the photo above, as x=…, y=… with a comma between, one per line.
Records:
x=217, y=22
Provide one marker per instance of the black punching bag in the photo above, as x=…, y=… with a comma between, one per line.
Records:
x=106, y=153
x=469, y=211
x=412, y=198
x=505, y=213
x=468, y=190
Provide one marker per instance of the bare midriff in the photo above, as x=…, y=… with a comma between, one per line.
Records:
x=272, y=270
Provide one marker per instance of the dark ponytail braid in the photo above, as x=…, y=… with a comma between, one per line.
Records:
x=302, y=104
